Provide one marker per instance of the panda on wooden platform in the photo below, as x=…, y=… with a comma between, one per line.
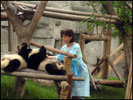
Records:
x=13, y=62
x=38, y=60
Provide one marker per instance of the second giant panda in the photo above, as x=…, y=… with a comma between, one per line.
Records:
x=38, y=60
x=13, y=62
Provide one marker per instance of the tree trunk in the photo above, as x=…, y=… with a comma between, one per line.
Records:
x=127, y=39
x=24, y=34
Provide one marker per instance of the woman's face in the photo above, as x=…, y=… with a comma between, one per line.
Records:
x=67, y=39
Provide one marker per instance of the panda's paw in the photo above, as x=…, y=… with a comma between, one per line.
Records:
x=24, y=44
x=43, y=50
x=23, y=47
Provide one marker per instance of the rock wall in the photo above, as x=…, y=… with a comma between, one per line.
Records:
x=48, y=31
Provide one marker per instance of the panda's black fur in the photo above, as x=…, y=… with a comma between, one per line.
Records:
x=32, y=59
x=38, y=61
x=36, y=57
x=13, y=62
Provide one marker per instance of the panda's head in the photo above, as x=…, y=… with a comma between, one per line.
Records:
x=55, y=68
x=59, y=65
x=60, y=68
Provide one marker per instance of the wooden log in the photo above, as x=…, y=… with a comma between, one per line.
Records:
x=19, y=87
x=98, y=65
x=67, y=64
x=106, y=52
x=128, y=94
x=94, y=38
x=72, y=17
x=53, y=49
x=91, y=78
x=51, y=9
x=10, y=37
x=110, y=82
x=4, y=17
x=40, y=76
x=112, y=65
x=117, y=60
x=116, y=50
x=70, y=11
x=82, y=43
x=70, y=79
x=75, y=17
x=64, y=90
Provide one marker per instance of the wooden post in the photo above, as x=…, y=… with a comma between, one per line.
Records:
x=67, y=66
x=70, y=79
x=67, y=63
x=118, y=59
x=19, y=87
x=112, y=65
x=10, y=37
x=117, y=50
x=106, y=52
x=81, y=43
x=64, y=90
x=98, y=65
x=129, y=84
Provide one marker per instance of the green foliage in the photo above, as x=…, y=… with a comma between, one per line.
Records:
x=117, y=33
x=32, y=90
x=108, y=92
x=122, y=10
x=36, y=91
x=6, y=87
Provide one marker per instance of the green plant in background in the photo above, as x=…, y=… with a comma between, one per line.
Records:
x=124, y=13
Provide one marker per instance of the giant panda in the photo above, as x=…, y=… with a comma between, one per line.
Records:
x=38, y=60
x=13, y=62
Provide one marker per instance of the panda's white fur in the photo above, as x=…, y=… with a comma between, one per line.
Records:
x=37, y=60
x=9, y=57
x=42, y=65
x=34, y=51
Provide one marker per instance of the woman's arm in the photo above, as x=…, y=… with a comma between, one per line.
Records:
x=52, y=57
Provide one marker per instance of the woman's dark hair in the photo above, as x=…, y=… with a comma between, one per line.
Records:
x=69, y=33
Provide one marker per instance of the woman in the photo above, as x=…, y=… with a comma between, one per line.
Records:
x=78, y=67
